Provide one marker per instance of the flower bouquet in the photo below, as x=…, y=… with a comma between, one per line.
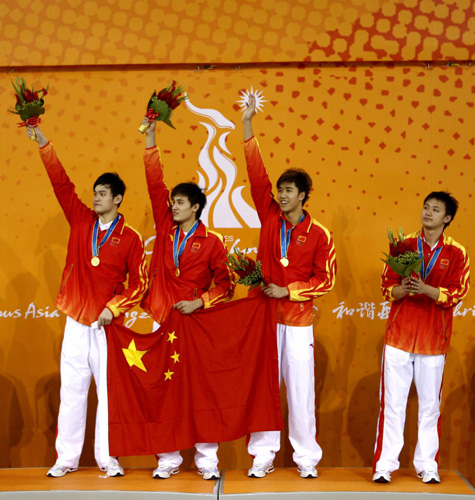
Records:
x=29, y=105
x=160, y=106
x=248, y=270
x=405, y=262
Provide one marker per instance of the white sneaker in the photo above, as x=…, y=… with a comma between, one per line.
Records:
x=211, y=473
x=260, y=470
x=382, y=476
x=307, y=471
x=114, y=469
x=165, y=471
x=60, y=470
x=429, y=476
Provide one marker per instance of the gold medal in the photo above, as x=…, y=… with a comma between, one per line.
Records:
x=177, y=272
x=95, y=261
x=284, y=261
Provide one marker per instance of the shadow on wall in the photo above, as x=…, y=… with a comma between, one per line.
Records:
x=470, y=470
x=16, y=421
x=47, y=397
x=452, y=426
x=363, y=411
x=12, y=422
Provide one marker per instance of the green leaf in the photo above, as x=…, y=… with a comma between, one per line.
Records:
x=161, y=107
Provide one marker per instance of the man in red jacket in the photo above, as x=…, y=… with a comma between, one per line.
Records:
x=298, y=265
x=187, y=258
x=103, y=252
x=417, y=338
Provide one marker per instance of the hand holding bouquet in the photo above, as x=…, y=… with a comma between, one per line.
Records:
x=29, y=105
x=405, y=262
x=248, y=270
x=160, y=106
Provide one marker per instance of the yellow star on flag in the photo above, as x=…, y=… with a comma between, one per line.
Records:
x=176, y=357
x=168, y=375
x=134, y=357
x=171, y=337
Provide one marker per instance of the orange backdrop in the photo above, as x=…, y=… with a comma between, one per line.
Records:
x=376, y=137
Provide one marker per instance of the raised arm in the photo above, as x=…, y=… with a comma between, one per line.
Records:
x=157, y=189
x=261, y=186
x=64, y=189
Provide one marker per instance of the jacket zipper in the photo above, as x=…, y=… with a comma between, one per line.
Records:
x=443, y=323
x=153, y=277
x=394, y=317
x=63, y=284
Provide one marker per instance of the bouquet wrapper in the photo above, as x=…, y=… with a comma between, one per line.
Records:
x=151, y=115
x=33, y=123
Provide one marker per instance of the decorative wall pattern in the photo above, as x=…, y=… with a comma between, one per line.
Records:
x=75, y=32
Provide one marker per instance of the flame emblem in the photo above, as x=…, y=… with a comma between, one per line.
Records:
x=226, y=207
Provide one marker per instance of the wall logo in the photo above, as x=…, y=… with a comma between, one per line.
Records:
x=226, y=207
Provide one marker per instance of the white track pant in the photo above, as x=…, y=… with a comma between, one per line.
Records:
x=399, y=369
x=296, y=366
x=206, y=456
x=84, y=353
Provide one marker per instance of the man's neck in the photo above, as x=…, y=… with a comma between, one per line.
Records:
x=185, y=226
x=107, y=217
x=432, y=236
x=294, y=216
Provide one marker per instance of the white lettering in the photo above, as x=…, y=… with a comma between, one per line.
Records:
x=10, y=314
x=133, y=317
x=31, y=310
x=341, y=311
x=458, y=310
x=246, y=251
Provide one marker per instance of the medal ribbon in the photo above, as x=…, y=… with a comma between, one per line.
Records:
x=95, y=232
x=285, y=237
x=178, y=251
x=420, y=248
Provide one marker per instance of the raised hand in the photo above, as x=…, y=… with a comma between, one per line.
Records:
x=250, y=110
x=36, y=135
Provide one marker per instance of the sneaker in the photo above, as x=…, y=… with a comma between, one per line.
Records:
x=165, y=471
x=211, y=473
x=429, y=476
x=382, y=476
x=260, y=470
x=114, y=469
x=60, y=470
x=307, y=471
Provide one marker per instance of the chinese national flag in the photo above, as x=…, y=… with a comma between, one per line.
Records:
x=208, y=377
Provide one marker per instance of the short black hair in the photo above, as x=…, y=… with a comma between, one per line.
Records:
x=194, y=194
x=451, y=204
x=300, y=178
x=113, y=182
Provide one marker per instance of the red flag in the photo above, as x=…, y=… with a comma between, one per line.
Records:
x=208, y=377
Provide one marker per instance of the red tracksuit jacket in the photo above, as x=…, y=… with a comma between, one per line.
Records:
x=417, y=323
x=311, y=253
x=201, y=263
x=86, y=290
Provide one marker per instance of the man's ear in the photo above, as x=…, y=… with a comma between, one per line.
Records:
x=118, y=199
x=195, y=207
x=447, y=219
